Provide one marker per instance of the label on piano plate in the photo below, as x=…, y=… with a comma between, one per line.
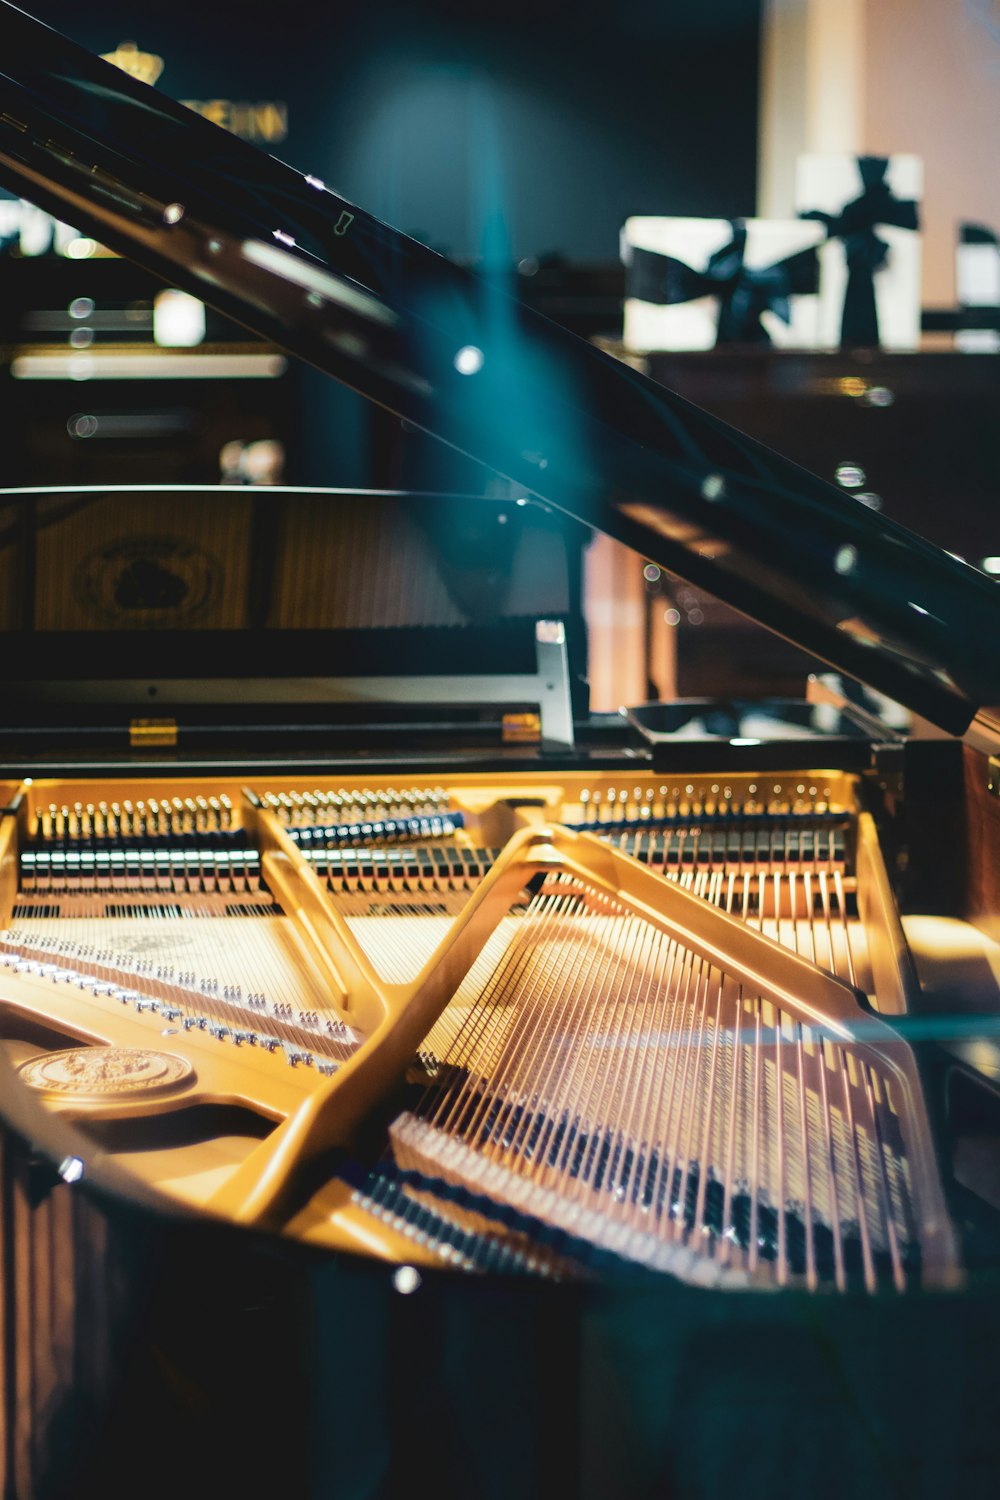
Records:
x=522, y=729
x=105, y=1072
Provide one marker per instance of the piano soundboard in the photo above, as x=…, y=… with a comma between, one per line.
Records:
x=571, y=1025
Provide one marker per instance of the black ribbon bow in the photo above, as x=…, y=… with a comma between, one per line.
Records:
x=866, y=253
x=976, y=234
x=744, y=292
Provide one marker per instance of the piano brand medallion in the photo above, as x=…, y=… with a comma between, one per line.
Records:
x=105, y=1072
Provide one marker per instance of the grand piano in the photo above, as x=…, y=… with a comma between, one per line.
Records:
x=503, y=1102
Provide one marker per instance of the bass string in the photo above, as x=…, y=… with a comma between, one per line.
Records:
x=691, y=1094
x=614, y=1033
x=501, y=1011
x=569, y=1078
x=460, y=1012
x=704, y=1151
x=533, y=1049
x=780, y=1195
x=882, y=1179
x=516, y=1014
x=564, y=1091
x=623, y=1084
x=445, y=1106
x=812, y=1279
x=680, y=1034
x=647, y=1129
x=861, y=1208
x=727, y=1238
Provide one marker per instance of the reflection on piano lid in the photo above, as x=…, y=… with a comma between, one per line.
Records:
x=590, y=435
x=627, y=1034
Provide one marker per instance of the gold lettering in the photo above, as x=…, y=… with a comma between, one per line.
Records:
x=241, y=121
x=271, y=122
x=217, y=110
x=145, y=66
x=267, y=121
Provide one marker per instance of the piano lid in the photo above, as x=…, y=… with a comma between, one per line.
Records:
x=283, y=254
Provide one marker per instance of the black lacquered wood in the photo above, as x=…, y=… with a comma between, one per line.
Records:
x=586, y=433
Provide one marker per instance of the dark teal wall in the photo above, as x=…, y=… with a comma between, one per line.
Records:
x=494, y=129
x=509, y=128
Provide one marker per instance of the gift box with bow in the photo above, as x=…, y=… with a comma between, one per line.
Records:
x=869, y=294
x=977, y=289
x=694, y=283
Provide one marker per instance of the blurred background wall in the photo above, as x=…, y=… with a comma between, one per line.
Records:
x=481, y=126
x=883, y=76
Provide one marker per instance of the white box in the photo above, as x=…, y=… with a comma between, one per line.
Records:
x=685, y=313
x=977, y=284
x=873, y=223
